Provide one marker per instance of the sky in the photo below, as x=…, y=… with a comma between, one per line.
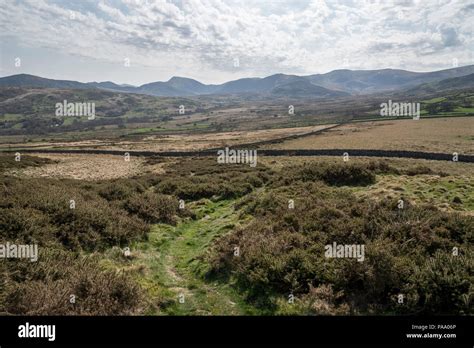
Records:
x=214, y=41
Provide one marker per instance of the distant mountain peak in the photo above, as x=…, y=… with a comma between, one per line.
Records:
x=180, y=78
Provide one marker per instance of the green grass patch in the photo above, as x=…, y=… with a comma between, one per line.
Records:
x=11, y=117
x=434, y=100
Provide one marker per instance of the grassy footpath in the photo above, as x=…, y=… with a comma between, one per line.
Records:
x=169, y=268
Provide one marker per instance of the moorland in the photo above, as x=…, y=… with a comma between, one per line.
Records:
x=168, y=235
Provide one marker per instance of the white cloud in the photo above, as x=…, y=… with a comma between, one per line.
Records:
x=201, y=38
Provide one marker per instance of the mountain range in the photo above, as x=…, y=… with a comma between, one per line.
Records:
x=333, y=84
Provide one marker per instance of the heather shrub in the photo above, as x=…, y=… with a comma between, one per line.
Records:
x=335, y=174
x=444, y=284
x=282, y=251
x=45, y=287
x=7, y=162
x=26, y=225
x=152, y=207
x=41, y=211
x=115, y=191
x=418, y=170
x=203, y=178
x=322, y=300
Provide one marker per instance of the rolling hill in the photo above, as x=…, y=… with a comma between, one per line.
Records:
x=370, y=81
x=333, y=84
x=461, y=82
x=303, y=88
x=25, y=80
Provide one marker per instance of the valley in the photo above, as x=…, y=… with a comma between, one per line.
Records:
x=164, y=226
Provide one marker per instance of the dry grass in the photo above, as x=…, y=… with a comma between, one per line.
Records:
x=446, y=135
x=214, y=140
x=177, y=142
x=89, y=167
x=452, y=193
